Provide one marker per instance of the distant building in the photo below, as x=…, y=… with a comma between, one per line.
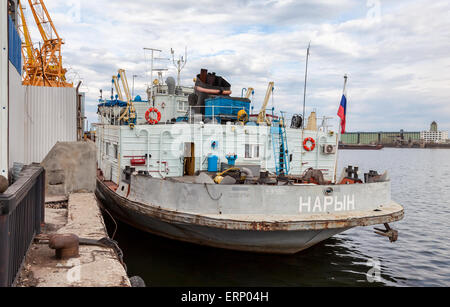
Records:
x=434, y=127
x=384, y=138
x=434, y=135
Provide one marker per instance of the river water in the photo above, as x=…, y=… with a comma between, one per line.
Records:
x=421, y=256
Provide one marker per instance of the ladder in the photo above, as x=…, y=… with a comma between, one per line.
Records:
x=280, y=147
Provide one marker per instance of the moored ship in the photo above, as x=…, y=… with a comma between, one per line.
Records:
x=193, y=164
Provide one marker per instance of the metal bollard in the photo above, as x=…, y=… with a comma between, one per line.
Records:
x=66, y=245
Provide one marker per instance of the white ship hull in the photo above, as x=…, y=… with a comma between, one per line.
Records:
x=280, y=233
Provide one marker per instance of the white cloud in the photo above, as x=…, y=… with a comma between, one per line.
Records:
x=398, y=66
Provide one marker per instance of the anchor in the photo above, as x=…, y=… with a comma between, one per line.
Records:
x=392, y=234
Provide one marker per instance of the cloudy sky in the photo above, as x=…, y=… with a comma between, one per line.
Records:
x=396, y=53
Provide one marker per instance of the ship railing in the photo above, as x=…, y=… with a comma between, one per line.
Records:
x=227, y=113
x=324, y=123
x=21, y=216
x=216, y=114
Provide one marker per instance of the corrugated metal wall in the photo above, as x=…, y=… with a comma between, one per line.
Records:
x=16, y=117
x=50, y=117
x=3, y=89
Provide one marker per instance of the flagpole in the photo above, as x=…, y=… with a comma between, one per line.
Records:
x=304, y=107
x=339, y=135
x=306, y=80
x=345, y=83
x=343, y=94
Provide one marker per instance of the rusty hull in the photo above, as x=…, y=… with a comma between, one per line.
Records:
x=277, y=234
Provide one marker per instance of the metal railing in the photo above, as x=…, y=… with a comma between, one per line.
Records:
x=214, y=114
x=190, y=114
x=21, y=215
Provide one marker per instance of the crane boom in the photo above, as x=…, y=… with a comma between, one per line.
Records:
x=118, y=89
x=250, y=91
x=27, y=44
x=32, y=68
x=262, y=118
x=52, y=72
x=123, y=76
x=43, y=20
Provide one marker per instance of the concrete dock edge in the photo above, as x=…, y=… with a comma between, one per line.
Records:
x=95, y=267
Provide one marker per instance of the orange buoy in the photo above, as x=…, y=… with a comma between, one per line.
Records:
x=152, y=121
x=309, y=140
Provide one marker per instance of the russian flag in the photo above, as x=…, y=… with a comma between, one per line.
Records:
x=342, y=113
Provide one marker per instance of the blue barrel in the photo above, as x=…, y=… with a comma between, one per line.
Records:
x=232, y=160
x=213, y=164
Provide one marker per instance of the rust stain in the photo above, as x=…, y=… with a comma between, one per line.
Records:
x=332, y=221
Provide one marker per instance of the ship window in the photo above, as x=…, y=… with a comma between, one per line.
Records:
x=116, y=151
x=182, y=106
x=107, y=149
x=251, y=151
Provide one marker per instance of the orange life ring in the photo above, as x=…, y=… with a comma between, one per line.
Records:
x=313, y=144
x=152, y=121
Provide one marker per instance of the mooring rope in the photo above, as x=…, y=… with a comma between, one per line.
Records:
x=206, y=187
x=108, y=243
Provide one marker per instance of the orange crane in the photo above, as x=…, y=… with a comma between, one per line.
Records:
x=51, y=73
x=31, y=57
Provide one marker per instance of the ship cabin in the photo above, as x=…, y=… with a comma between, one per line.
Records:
x=182, y=132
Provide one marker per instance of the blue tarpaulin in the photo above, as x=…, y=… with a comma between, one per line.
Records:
x=15, y=46
x=225, y=106
x=113, y=103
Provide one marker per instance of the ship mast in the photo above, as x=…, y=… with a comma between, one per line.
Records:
x=152, y=50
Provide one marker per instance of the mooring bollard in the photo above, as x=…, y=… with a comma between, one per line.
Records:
x=4, y=184
x=66, y=245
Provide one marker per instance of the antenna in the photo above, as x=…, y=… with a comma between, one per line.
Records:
x=179, y=64
x=132, y=93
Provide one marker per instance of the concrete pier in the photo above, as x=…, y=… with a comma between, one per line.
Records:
x=95, y=267
x=71, y=208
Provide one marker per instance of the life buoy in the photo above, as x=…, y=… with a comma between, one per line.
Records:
x=152, y=121
x=313, y=144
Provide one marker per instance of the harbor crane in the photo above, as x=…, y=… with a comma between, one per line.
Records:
x=31, y=56
x=42, y=67
x=122, y=76
x=262, y=117
x=129, y=115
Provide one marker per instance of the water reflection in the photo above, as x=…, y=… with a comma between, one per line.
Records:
x=163, y=262
x=419, y=258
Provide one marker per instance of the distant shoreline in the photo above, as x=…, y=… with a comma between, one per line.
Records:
x=344, y=146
